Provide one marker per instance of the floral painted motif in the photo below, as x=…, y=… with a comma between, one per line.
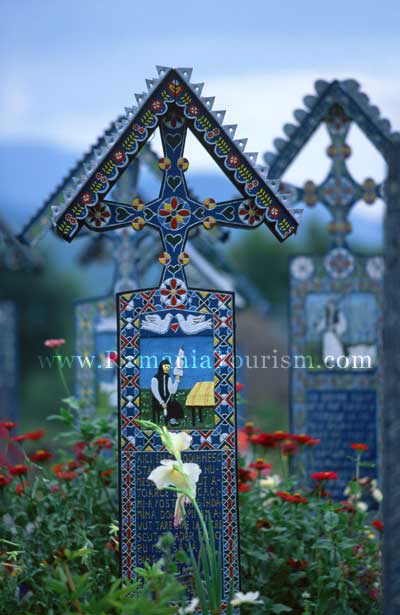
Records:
x=250, y=214
x=173, y=292
x=233, y=160
x=174, y=213
x=339, y=263
x=302, y=268
x=99, y=215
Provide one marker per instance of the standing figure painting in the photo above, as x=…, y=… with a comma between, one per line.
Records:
x=163, y=389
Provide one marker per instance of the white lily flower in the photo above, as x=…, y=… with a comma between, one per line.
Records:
x=377, y=495
x=269, y=482
x=249, y=598
x=168, y=474
x=176, y=442
x=190, y=608
x=362, y=506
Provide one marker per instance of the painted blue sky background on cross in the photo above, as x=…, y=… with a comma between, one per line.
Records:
x=69, y=68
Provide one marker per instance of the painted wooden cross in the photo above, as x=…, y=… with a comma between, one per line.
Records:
x=176, y=343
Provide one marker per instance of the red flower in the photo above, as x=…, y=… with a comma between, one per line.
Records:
x=294, y=499
x=67, y=475
x=260, y=465
x=31, y=435
x=324, y=476
x=301, y=438
x=103, y=442
x=264, y=439
x=347, y=507
x=358, y=446
x=313, y=442
x=378, y=525
x=298, y=564
x=263, y=524
x=19, y=470
x=239, y=387
x=8, y=424
x=243, y=488
x=244, y=475
x=19, y=489
x=282, y=435
x=4, y=480
x=54, y=343
x=113, y=356
x=41, y=455
x=105, y=475
x=79, y=447
x=289, y=448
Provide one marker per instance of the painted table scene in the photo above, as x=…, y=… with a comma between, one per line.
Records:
x=199, y=351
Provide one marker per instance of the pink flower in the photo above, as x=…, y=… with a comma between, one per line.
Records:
x=54, y=343
x=239, y=387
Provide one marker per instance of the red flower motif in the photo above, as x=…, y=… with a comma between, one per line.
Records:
x=41, y=455
x=174, y=213
x=99, y=215
x=233, y=160
x=378, y=525
x=193, y=110
x=54, y=343
x=87, y=198
x=118, y=156
x=18, y=470
x=101, y=177
x=8, y=425
x=157, y=105
x=358, y=446
x=274, y=212
x=173, y=292
x=324, y=476
x=4, y=480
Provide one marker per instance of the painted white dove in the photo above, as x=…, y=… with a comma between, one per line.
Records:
x=156, y=324
x=194, y=323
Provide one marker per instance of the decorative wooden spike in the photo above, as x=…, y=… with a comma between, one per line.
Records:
x=98, y=152
x=351, y=85
x=208, y=101
x=263, y=170
x=88, y=168
x=241, y=144
x=280, y=144
x=300, y=115
x=161, y=70
x=374, y=111
x=362, y=98
x=251, y=157
x=309, y=101
x=219, y=116
x=77, y=181
x=150, y=84
x=289, y=129
x=130, y=111
x=273, y=183
x=320, y=86
x=269, y=157
x=230, y=129
x=186, y=73
x=198, y=88
x=140, y=97
x=56, y=210
x=67, y=195
x=109, y=139
x=385, y=125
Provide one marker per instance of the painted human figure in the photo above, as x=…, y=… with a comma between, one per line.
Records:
x=163, y=387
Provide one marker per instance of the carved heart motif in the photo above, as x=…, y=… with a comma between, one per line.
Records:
x=228, y=213
x=148, y=214
x=121, y=214
x=173, y=240
x=174, y=268
x=174, y=181
x=173, y=140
